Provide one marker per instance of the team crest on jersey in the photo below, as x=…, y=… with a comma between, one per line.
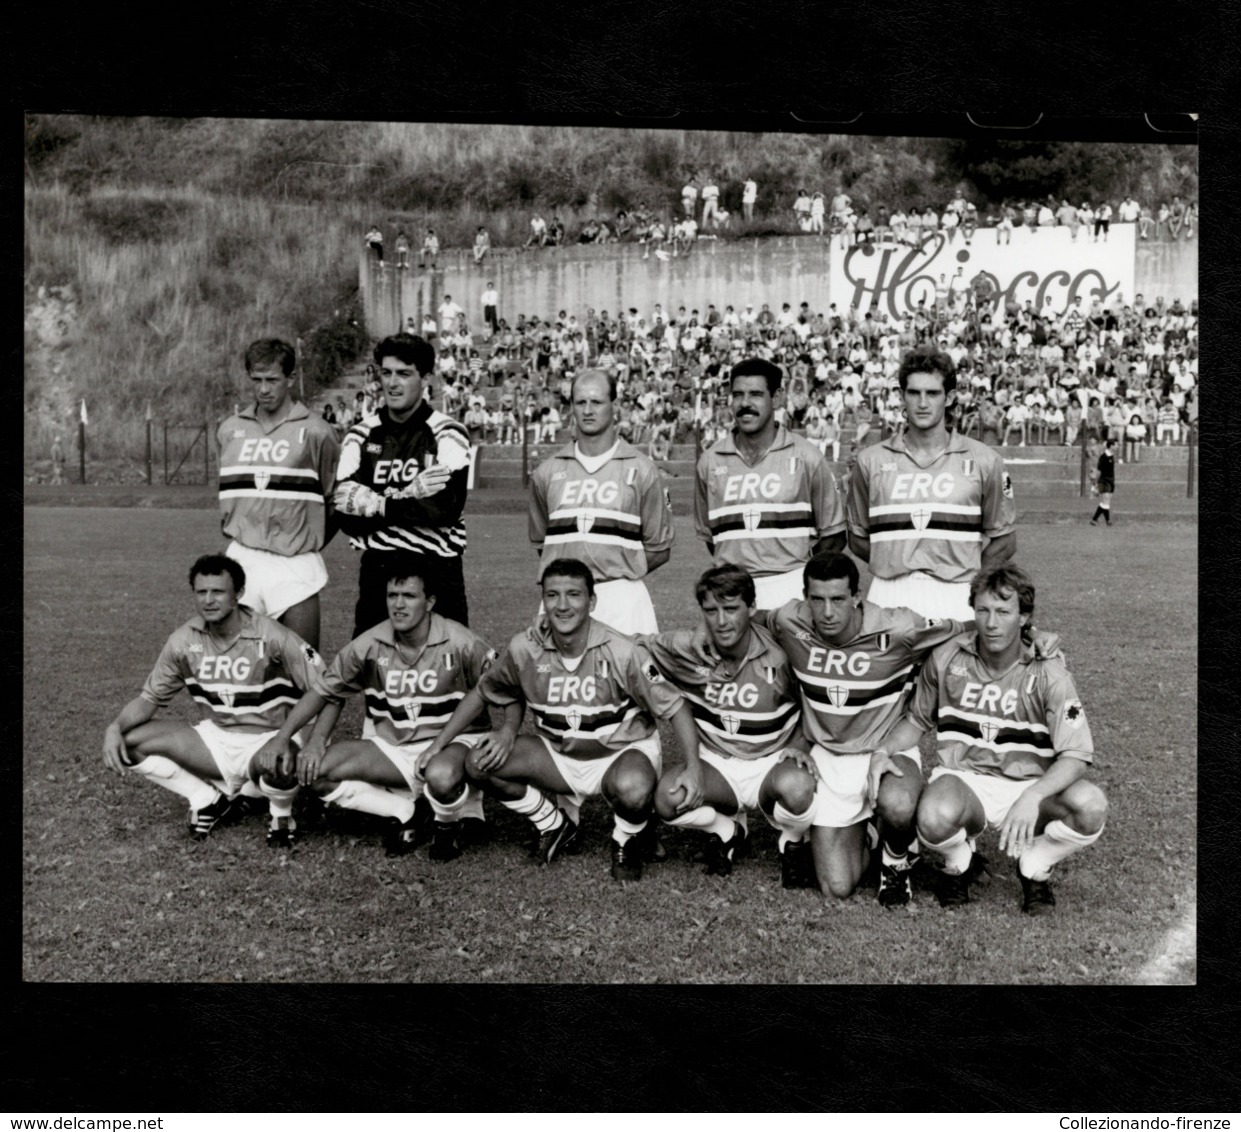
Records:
x=585, y=520
x=1008, y=486
x=604, y=669
x=574, y=718
x=413, y=709
x=449, y=661
x=837, y=695
x=262, y=477
x=792, y=465
x=920, y=517
x=301, y=436
x=882, y=641
x=769, y=672
x=630, y=476
x=989, y=729
x=652, y=673
x=309, y=653
x=968, y=467
x=732, y=723
x=1074, y=713
x=227, y=699
x=752, y=516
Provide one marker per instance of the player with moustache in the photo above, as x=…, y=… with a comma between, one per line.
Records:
x=765, y=499
x=928, y=507
x=413, y=669
x=1015, y=747
x=751, y=751
x=603, y=502
x=248, y=671
x=594, y=695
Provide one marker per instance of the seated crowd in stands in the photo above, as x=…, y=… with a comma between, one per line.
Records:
x=1126, y=371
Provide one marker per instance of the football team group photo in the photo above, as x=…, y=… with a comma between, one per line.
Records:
x=777, y=564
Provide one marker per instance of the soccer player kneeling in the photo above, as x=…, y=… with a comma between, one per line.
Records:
x=593, y=694
x=744, y=704
x=1015, y=746
x=413, y=668
x=247, y=670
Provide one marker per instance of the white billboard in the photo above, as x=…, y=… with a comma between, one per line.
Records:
x=1037, y=265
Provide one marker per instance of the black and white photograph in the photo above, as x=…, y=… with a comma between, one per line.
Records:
x=502, y=539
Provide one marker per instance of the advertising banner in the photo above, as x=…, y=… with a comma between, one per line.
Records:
x=1045, y=266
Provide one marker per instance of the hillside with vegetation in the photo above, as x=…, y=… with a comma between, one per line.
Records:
x=156, y=249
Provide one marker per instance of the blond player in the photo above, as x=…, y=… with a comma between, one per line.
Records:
x=277, y=476
x=601, y=501
x=929, y=507
x=413, y=668
x=1015, y=746
x=765, y=500
x=248, y=671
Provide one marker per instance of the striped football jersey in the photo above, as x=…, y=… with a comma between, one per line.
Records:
x=250, y=686
x=409, y=696
x=853, y=694
x=745, y=711
x=1012, y=726
x=767, y=517
x=384, y=456
x=274, y=483
x=607, y=703
x=931, y=518
x=608, y=519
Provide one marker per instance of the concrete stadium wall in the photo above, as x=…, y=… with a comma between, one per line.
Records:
x=778, y=270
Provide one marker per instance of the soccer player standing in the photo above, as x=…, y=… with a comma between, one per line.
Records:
x=1015, y=746
x=248, y=671
x=401, y=485
x=277, y=476
x=765, y=500
x=601, y=501
x=413, y=669
x=928, y=508
x=594, y=695
x=751, y=751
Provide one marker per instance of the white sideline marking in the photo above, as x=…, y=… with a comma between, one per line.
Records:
x=1177, y=960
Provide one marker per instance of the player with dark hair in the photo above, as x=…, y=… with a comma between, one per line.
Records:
x=928, y=508
x=248, y=671
x=1014, y=743
x=765, y=499
x=594, y=695
x=750, y=748
x=603, y=502
x=401, y=485
x=413, y=668
x=277, y=477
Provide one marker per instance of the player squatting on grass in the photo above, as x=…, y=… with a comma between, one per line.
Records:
x=248, y=671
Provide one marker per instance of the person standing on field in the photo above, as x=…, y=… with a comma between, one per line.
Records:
x=1105, y=482
x=929, y=507
x=401, y=485
x=277, y=477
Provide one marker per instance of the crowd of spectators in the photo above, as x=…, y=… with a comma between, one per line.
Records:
x=672, y=231
x=1125, y=371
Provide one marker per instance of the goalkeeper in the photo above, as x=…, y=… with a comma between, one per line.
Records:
x=401, y=485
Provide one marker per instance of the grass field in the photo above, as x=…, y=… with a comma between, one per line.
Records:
x=115, y=891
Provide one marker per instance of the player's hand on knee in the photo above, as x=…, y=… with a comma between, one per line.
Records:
x=689, y=780
x=310, y=760
x=114, y=750
x=270, y=757
x=493, y=751
x=1017, y=829
x=800, y=758
x=881, y=763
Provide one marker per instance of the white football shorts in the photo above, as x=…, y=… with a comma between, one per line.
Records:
x=277, y=582
x=841, y=799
